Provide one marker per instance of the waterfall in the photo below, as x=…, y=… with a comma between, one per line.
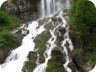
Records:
x=65, y=41
x=50, y=7
x=17, y=58
x=50, y=46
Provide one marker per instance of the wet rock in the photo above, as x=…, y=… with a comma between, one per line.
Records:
x=32, y=54
x=31, y=63
x=56, y=62
x=26, y=9
x=78, y=59
x=3, y=55
x=57, y=51
x=54, y=19
x=62, y=31
x=59, y=20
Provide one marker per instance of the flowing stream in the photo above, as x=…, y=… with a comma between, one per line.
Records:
x=15, y=61
x=17, y=58
x=51, y=7
x=64, y=42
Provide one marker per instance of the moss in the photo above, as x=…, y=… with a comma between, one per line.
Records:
x=72, y=66
x=31, y=64
x=56, y=62
x=41, y=41
x=7, y=40
x=15, y=21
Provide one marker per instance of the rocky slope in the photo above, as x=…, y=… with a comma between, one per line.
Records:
x=26, y=9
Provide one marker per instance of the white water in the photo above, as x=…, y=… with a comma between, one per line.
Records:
x=50, y=46
x=65, y=41
x=16, y=60
x=50, y=7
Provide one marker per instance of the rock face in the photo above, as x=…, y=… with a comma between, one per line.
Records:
x=26, y=9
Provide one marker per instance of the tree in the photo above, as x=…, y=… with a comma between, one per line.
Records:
x=83, y=16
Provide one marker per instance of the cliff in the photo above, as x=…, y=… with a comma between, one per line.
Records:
x=25, y=9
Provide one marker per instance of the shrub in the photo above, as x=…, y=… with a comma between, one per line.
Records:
x=3, y=19
x=7, y=40
x=83, y=18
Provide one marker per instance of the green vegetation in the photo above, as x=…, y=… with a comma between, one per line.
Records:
x=83, y=29
x=83, y=18
x=7, y=23
x=41, y=44
x=4, y=22
x=7, y=40
x=56, y=62
x=40, y=41
x=31, y=64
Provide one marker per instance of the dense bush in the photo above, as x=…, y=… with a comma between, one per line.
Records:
x=7, y=23
x=83, y=18
x=83, y=30
x=7, y=40
x=3, y=20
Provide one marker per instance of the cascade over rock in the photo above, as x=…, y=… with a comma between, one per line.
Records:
x=46, y=44
x=33, y=9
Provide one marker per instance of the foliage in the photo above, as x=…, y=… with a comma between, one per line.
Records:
x=83, y=18
x=7, y=23
x=83, y=24
x=7, y=40
x=41, y=44
x=3, y=19
x=14, y=21
x=55, y=64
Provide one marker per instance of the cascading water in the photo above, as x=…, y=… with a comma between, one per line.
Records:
x=50, y=7
x=65, y=41
x=50, y=46
x=16, y=60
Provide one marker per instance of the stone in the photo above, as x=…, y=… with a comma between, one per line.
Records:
x=25, y=9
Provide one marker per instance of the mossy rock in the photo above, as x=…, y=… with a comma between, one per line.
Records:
x=72, y=66
x=31, y=64
x=41, y=42
x=56, y=62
